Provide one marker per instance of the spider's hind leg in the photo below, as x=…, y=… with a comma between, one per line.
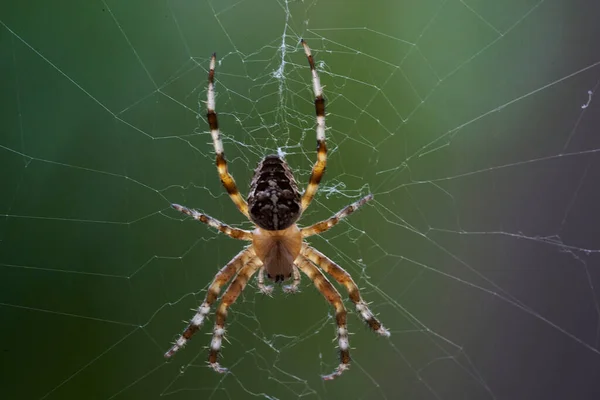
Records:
x=213, y=123
x=229, y=297
x=319, y=167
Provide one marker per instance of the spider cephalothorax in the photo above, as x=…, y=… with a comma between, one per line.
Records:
x=277, y=243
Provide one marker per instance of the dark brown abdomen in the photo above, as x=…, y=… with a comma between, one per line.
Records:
x=273, y=200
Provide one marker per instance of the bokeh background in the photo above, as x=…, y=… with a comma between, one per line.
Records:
x=470, y=121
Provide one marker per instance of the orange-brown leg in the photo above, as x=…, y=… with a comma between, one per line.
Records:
x=319, y=167
x=213, y=123
x=215, y=223
x=333, y=297
x=229, y=297
x=222, y=277
x=323, y=226
x=344, y=278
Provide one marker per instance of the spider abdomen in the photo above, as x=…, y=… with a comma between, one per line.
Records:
x=274, y=199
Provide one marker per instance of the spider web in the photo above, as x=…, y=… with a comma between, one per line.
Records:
x=473, y=123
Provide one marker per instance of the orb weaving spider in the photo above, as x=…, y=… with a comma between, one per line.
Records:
x=277, y=247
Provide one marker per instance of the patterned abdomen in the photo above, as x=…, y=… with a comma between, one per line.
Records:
x=273, y=200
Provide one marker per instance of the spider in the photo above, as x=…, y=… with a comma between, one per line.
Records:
x=277, y=243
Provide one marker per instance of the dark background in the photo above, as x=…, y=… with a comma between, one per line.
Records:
x=480, y=253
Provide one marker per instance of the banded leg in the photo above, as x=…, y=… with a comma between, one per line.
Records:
x=208, y=220
x=293, y=288
x=229, y=297
x=344, y=278
x=264, y=289
x=333, y=297
x=226, y=178
x=323, y=226
x=319, y=167
x=222, y=277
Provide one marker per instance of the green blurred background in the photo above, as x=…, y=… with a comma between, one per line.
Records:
x=464, y=118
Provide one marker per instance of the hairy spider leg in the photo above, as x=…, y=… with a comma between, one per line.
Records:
x=333, y=297
x=319, y=167
x=229, y=297
x=344, y=278
x=222, y=277
x=327, y=224
x=235, y=233
x=213, y=123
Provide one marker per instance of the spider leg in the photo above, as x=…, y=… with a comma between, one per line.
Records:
x=293, y=288
x=215, y=223
x=344, y=278
x=264, y=289
x=333, y=297
x=222, y=277
x=213, y=123
x=229, y=297
x=319, y=167
x=325, y=225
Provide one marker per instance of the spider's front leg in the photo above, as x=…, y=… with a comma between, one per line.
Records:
x=333, y=297
x=222, y=277
x=229, y=297
x=344, y=278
